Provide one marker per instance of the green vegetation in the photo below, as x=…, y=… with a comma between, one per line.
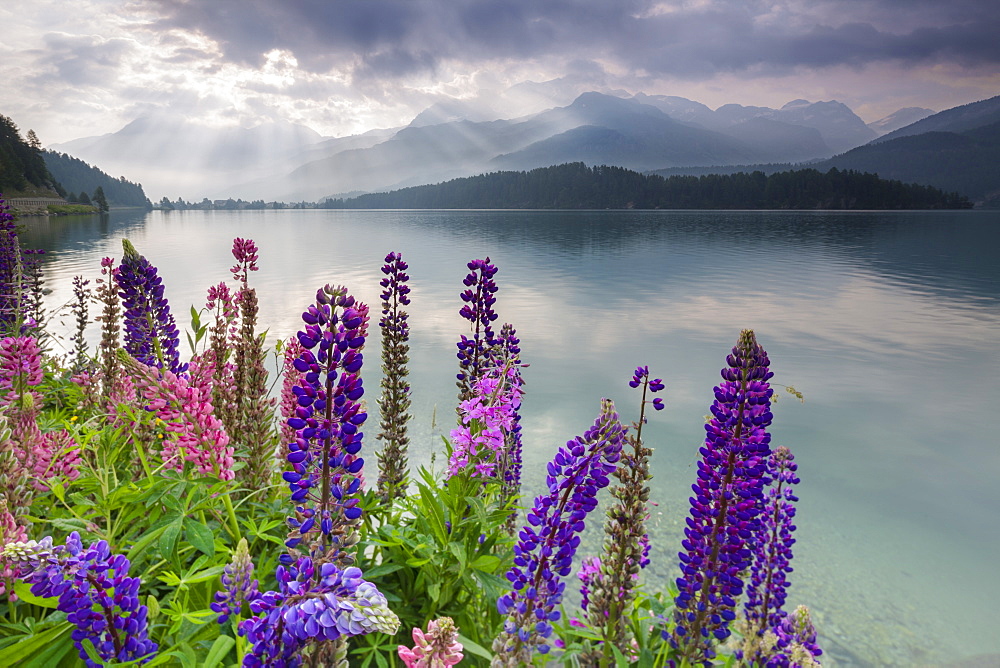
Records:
x=76, y=176
x=576, y=186
x=70, y=209
x=22, y=169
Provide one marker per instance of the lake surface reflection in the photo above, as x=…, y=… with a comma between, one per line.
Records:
x=887, y=322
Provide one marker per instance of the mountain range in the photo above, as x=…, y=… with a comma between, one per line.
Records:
x=642, y=132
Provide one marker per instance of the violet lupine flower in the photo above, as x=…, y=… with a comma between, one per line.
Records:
x=589, y=574
x=326, y=468
x=150, y=331
x=236, y=578
x=313, y=604
x=795, y=644
x=394, y=403
x=94, y=590
x=479, y=444
x=10, y=270
x=479, y=299
x=772, y=556
x=727, y=500
x=437, y=648
x=544, y=552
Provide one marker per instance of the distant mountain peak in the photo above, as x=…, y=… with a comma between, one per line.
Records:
x=796, y=104
x=899, y=119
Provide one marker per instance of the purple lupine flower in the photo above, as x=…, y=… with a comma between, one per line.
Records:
x=394, y=403
x=478, y=309
x=94, y=590
x=314, y=603
x=589, y=574
x=768, y=584
x=10, y=269
x=326, y=467
x=544, y=552
x=626, y=542
x=20, y=279
x=236, y=578
x=150, y=331
x=728, y=498
x=796, y=645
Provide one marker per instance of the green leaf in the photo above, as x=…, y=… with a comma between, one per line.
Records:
x=381, y=569
x=472, y=647
x=486, y=562
x=32, y=645
x=433, y=513
x=69, y=524
x=217, y=653
x=200, y=536
x=434, y=591
x=168, y=540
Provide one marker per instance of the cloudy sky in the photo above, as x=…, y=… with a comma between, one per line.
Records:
x=73, y=68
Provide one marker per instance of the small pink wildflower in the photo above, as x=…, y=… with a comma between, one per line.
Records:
x=437, y=648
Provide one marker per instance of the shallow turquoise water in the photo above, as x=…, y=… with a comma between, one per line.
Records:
x=887, y=322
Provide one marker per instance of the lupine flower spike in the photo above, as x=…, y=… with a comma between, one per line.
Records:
x=725, y=508
x=94, y=590
x=506, y=353
x=544, y=552
x=237, y=579
x=326, y=467
x=437, y=648
x=394, y=403
x=313, y=604
x=150, y=331
x=795, y=643
x=479, y=445
x=479, y=297
x=772, y=557
x=626, y=543
x=251, y=429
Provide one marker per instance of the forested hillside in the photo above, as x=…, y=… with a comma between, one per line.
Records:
x=77, y=177
x=22, y=168
x=967, y=162
x=576, y=186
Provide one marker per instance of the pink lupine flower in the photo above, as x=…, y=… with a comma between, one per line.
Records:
x=486, y=420
x=292, y=377
x=56, y=454
x=437, y=648
x=185, y=407
x=11, y=531
x=20, y=365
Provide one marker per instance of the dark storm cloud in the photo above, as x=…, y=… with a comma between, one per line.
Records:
x=392, y=38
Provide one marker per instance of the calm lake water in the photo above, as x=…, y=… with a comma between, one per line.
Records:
x=889, y=324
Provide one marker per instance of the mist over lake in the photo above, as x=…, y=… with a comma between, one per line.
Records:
x=887, y=323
